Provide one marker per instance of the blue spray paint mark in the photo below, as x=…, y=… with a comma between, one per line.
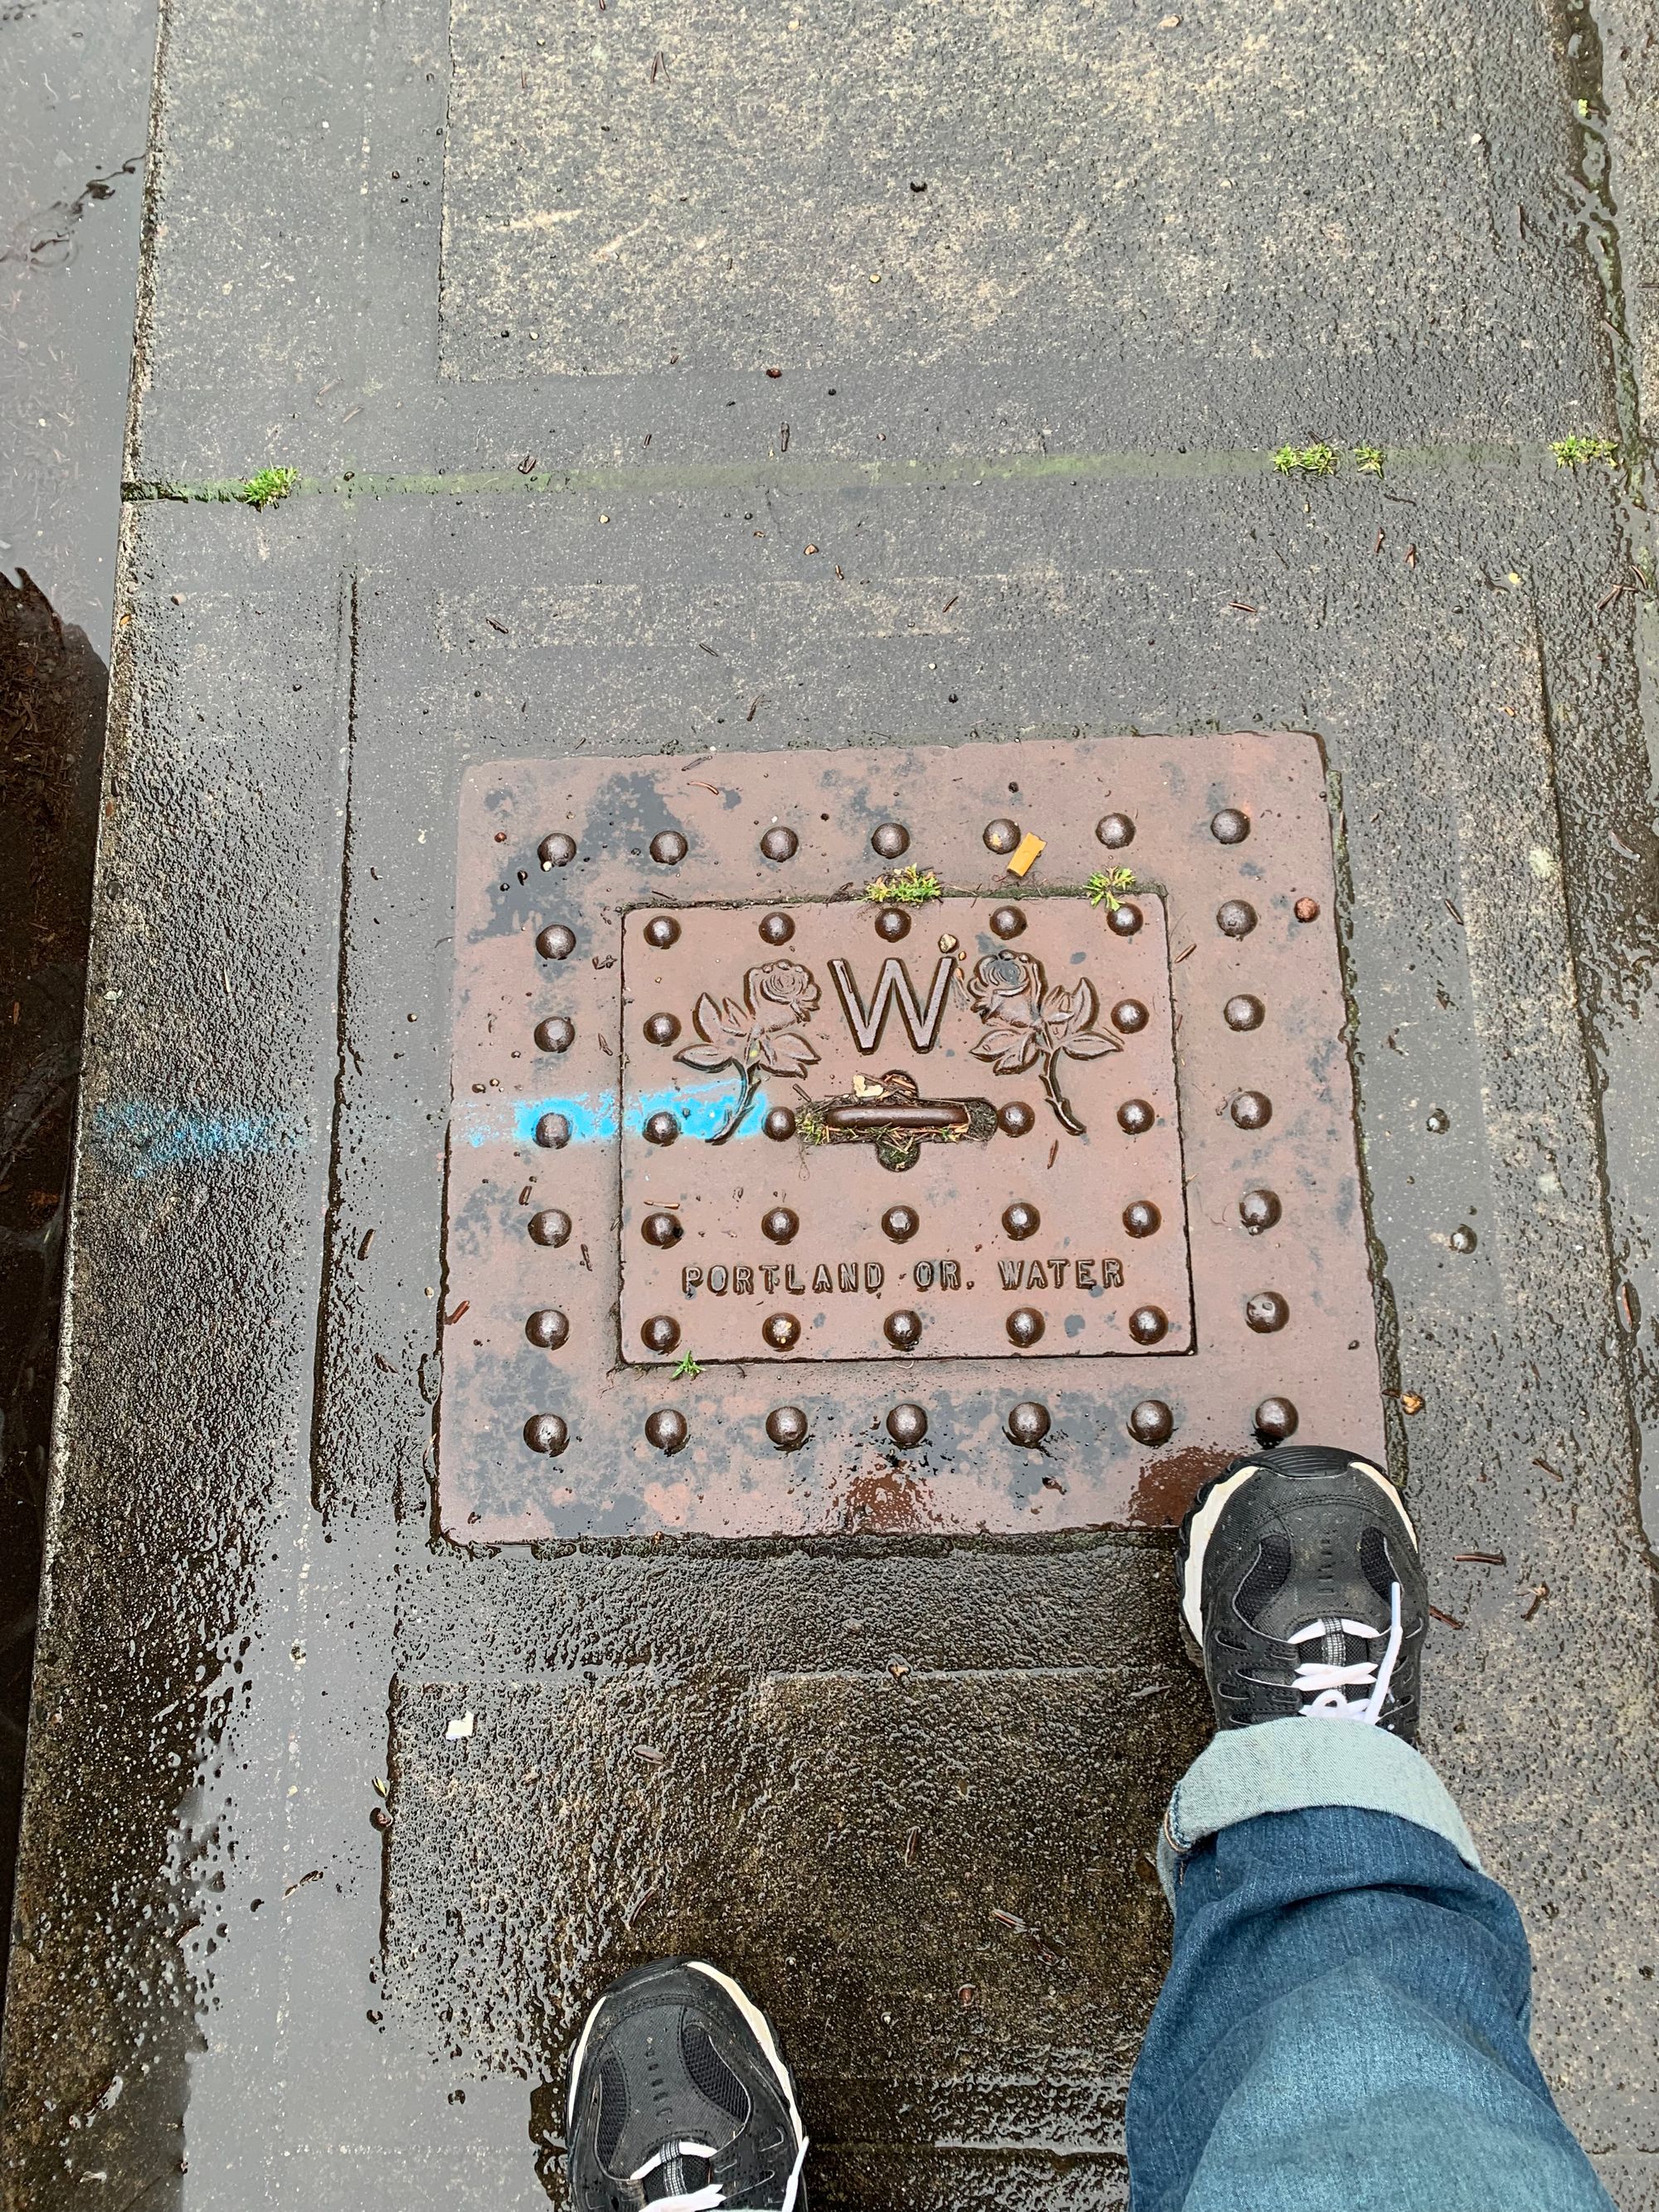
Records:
x=701, y=1108
x=142, y=1137
x=591, y=1116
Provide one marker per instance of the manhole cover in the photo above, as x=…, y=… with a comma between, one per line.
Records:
x=952, y=1139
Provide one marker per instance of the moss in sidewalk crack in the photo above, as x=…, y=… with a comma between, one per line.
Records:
x=1570, y=450
x=1316, y=460
x=910, y=886
x=1104, y=886
x=266, y=486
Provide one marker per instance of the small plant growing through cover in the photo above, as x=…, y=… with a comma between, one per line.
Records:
x=1369, y=459
x=266, y=486
x=1569, y=452
x=1105, y=884
x=687, y=1369
x=1316, y=460
x=904, y=887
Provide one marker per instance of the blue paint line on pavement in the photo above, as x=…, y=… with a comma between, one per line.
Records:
x=144, y=1137
x=701, y=1108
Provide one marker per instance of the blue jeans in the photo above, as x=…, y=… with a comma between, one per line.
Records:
x=1343, y=2025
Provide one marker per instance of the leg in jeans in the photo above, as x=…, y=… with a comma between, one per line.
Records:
x=1344, y=2021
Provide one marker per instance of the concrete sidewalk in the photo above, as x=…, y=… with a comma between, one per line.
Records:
x=1045, y=288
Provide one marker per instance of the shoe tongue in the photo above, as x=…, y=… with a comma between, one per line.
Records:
x=1333, y=1646
x=682, y=2174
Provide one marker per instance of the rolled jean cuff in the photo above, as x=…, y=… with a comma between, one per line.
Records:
x=1289, y=1766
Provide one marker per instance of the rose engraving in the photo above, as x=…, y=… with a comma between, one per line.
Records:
x=1030, y=1022
x=761, y=1037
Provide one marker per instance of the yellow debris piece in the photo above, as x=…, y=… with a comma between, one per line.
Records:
x=1020, y=860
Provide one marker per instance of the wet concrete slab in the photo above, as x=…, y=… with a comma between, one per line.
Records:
x=340, y=1949
x=76, y=78
x=77, y=75
x=904, y=1814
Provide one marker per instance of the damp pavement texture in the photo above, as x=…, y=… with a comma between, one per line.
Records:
x=1045, y=288
x=74, y=76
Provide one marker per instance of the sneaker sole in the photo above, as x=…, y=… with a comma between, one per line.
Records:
x=1204, y=1514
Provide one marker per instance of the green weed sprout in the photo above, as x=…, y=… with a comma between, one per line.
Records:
x=1369, y=459
x=905, y=887
x=1104, y=886
x=688, y=1369
x=1316, y=460
x=1571, y=451
x=267, y=486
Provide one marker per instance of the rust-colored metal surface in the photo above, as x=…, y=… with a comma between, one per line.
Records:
x=989, y=1202
x=914, y=1086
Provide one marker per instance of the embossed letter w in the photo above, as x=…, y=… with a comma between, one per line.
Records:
x=893, y=984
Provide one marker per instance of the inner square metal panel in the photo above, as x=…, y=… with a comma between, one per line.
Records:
x=680, y=949
x=904, y=1208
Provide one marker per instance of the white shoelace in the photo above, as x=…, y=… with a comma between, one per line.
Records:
x=1324, y=1684
x=710, y=2198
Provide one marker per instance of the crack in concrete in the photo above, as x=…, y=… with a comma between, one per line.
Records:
x=972, y=471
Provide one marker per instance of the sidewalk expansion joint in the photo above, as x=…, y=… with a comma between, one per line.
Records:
x=779, y=475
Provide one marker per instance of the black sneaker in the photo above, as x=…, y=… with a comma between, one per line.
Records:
x=680, y=2099
x=1300, y=1591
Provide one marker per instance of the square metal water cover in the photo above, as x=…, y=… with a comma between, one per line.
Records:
x=953, y=1139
